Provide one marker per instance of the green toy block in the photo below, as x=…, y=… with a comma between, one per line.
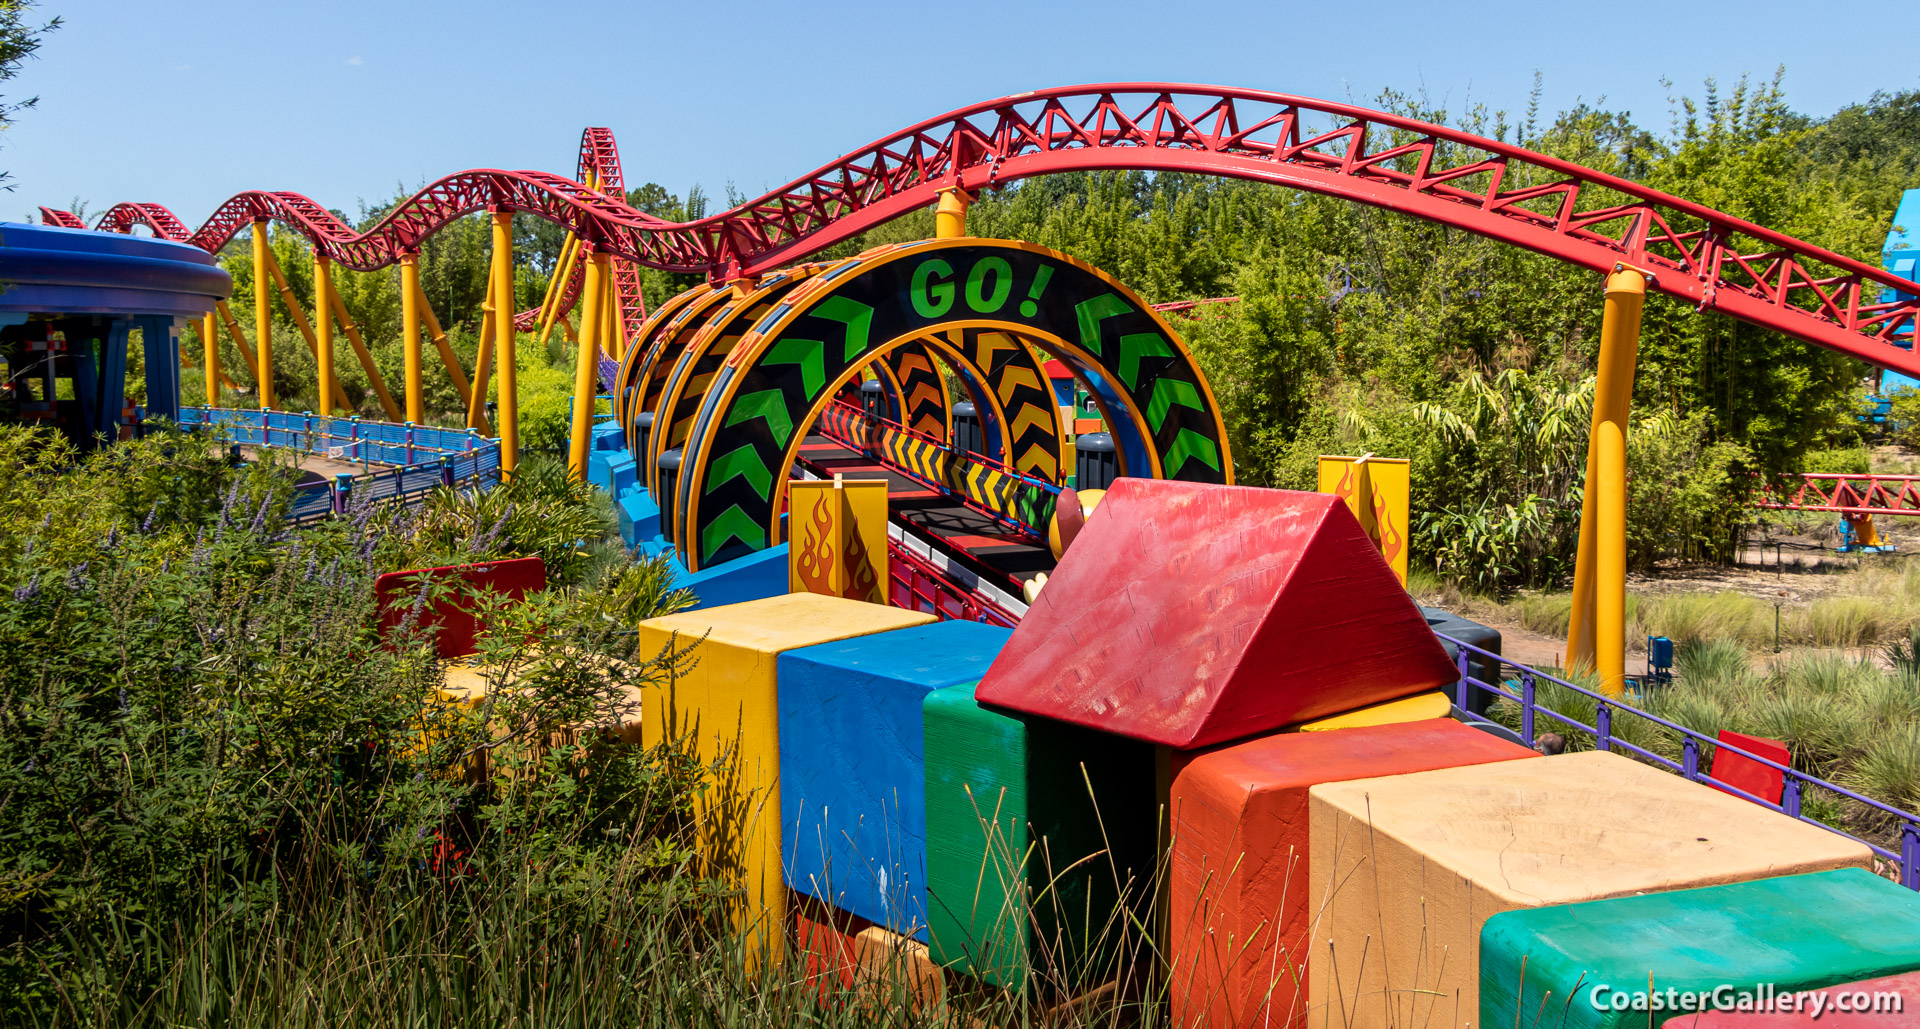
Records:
x=1040, y=843
x=1748, y=941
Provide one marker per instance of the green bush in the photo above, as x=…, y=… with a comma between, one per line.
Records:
x=202, y=729
x=1846, y=461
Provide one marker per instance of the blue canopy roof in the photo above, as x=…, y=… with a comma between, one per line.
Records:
x=48, y=270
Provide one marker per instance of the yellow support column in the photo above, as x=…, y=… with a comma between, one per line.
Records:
x=361, y=353
x=557, y=289
x=262, y=315
x=509, y=399
x=299, y=319
x=239, y=339
x=210, y=342
x=1596, y=631
x=447, y=358
x=482, y=360
x=410, y=334
x=610, y=325
x=1610, y=562
x=323, y=333
x=950, y=217
x=584, y=361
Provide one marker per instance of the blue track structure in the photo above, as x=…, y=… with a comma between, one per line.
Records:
x=399, y=461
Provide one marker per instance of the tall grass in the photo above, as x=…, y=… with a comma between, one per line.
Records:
x=1849, y=622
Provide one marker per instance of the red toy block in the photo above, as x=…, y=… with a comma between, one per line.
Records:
x=1189, y=614
x=396, y=593
x=1741, y=772
x=1888, y=1003
x=828, y=941
x=1239, y=905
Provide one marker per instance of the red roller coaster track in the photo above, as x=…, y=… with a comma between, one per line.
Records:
x=1850, y=494
x=1580, y=216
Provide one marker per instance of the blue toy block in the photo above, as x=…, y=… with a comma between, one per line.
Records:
x=853, y=763
x=754, y=577
x=639, y=517
x=621, y=470
x=607, y=436
x=597, y=471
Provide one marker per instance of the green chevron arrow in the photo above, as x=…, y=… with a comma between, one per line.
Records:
x=1168, y=392
x=744, y=462
x=855, y=315
x=768, y=404
x=732, y=524
x=1190, y=444
x=1092, y=312
x=1136, y=345
x=809, y=354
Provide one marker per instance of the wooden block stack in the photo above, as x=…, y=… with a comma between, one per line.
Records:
x=852, y=770
x=1040, y=840
x=1407, y=868
x=726, y=704
x=1239, y=903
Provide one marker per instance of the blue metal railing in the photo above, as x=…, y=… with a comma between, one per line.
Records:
x=1794, y=783
x=412, y=459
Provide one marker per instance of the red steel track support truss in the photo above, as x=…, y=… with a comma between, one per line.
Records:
x=1554, y=207
x=1851, y=494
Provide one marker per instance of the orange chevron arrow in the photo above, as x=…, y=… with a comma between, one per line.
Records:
x=915, y=362
x=927, y=390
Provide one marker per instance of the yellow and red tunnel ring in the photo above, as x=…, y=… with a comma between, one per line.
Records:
x=697, y=365
x=748, y=432
x=648, y=340
x=650, y=378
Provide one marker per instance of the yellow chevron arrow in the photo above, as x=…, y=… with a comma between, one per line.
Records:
x=988, y=344
x=1032, y=415
x=1014, y=378
x=1040, y=462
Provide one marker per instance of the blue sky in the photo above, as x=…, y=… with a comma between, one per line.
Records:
x=188, y=102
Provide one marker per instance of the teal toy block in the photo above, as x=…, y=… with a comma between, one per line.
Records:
x=1634, y=961
x=1041, y=840
x=853, y=765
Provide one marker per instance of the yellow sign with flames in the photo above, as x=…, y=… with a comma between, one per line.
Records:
x=1378, y=492
x=838, y=534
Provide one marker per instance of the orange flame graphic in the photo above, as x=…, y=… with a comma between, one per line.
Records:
x=861, y=583
x=1391, y=540
x=816, y=548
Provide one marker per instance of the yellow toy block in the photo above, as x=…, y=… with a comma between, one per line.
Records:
x=1406, y=869
x=726, y=704
x=1407, y=709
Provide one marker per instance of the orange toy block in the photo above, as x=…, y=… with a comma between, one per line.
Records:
x=1240, y=905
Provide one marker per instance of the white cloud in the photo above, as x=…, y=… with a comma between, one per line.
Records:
x=355, y=61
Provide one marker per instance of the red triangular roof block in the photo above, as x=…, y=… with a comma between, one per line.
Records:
x=1190, y=614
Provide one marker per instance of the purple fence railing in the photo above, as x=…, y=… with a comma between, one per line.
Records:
x=413, y=459
x=1794, y=783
